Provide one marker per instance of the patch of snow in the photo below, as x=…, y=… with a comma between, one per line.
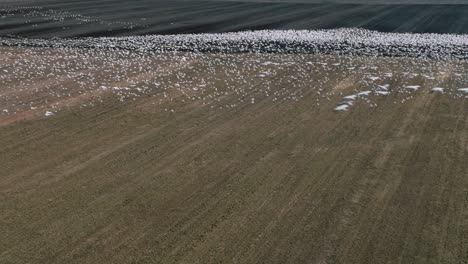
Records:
x=383, y=87
x=350, y=97
x=381, y=92
x=364, y=93
x=342, y=107
x=438, y=90
x=412, y=87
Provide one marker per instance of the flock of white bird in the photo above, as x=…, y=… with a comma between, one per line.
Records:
x=90, y=70
x=334, y=41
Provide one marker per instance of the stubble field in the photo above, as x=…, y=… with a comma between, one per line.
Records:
x=122, y=157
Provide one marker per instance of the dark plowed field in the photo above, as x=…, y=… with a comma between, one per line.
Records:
x=77, y=18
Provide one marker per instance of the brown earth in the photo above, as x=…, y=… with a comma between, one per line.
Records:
x=264, y=182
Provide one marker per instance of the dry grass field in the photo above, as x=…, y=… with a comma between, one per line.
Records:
x=211, y=158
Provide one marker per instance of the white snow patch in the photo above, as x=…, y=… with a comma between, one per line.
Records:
x=364, y=93
x=342, y=107
x=350, y=97
x=412, y=87
x=383, y=87
x=438, y=90
x=381, y=92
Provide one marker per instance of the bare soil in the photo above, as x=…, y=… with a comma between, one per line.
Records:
x=274, y=181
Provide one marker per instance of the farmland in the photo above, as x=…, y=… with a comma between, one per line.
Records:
x=80, y=18
x=128, y=157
